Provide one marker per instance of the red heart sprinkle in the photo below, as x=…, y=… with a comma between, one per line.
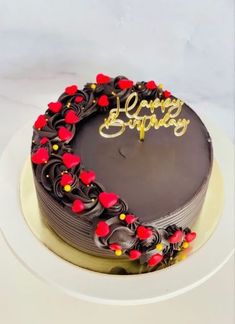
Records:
x=115, y=246
x=78, y=99
x=167, y=94
x=155, y=259
x=143, y=232
x=125, y=84
x=55, y=107
x=107, y=199
x=189, y=237
x=40, y=122
x=151, y=85
x=40, y=156
x=64, y=134
x=71, y=90
x=70, y=160
x=102, y=229
x=78, y=206
x=102, y=78
x=176, y=237
x=44, y=140
x=129, y=219
x=87, y=177
x=103, y=101
x=71, y=117
x=66, y=179
x=134, y=254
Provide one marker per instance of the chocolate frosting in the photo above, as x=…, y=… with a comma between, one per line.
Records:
x=155, y=176
x=164, y=179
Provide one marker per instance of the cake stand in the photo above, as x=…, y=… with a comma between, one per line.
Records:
x=104, y=288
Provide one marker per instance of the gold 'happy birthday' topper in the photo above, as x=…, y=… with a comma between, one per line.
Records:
x=171, y=108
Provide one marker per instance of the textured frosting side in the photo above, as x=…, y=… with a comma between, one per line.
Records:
x=80, y=233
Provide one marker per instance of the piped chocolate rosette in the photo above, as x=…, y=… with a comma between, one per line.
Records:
x=76, y=206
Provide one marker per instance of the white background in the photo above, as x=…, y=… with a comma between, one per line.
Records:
x=47, y=45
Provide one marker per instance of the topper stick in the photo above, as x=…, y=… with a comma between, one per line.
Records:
x=142, y=132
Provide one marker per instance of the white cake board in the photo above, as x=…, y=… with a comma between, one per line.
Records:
x=109, y=289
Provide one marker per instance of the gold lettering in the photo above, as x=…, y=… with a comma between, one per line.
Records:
x=132, y=111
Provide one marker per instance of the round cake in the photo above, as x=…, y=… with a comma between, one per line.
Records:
x=121, y=169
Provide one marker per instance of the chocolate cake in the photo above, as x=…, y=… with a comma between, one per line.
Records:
x=121, y=169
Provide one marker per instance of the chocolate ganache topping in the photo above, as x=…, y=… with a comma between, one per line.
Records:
x=80, y=209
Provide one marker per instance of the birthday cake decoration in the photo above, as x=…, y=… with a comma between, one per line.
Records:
x=60, y=172
x=170, y=108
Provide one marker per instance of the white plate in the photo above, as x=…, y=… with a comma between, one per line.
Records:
x=108, y=289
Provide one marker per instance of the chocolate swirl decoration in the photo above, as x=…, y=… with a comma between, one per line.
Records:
x=113, y=226
x=145, y=93
x=123, y=235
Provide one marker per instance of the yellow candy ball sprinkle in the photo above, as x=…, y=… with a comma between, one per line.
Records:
x=93, y=86
x=55, y=147
x=183, y=257
x=122, y=216
x=118, y=252
x=185, y=245
x=159, y=246
x=67, y=188
x=160, y=86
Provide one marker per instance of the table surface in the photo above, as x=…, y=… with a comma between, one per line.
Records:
x=47, y=47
